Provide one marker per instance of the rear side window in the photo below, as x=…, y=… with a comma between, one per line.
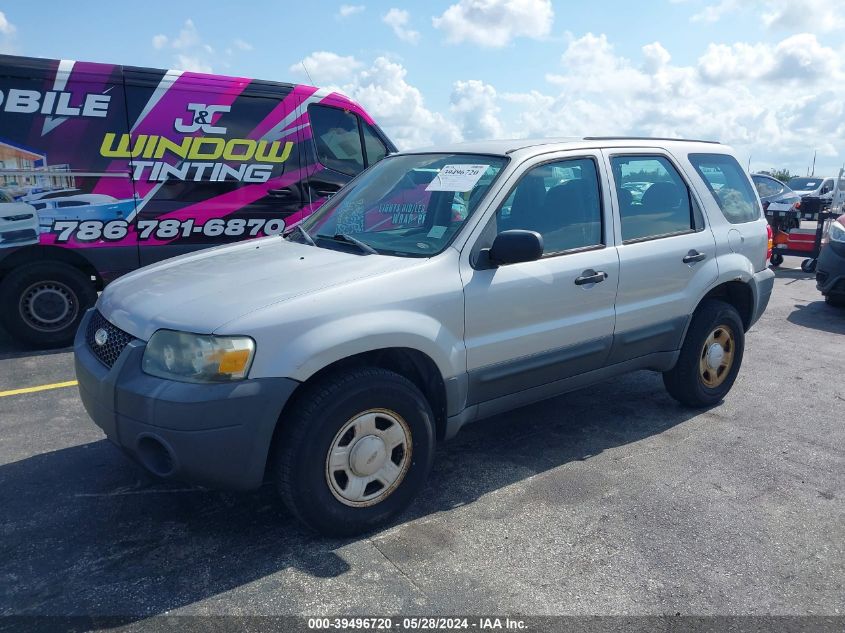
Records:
x=729, y=185
x=654, y=200
x=767, y=187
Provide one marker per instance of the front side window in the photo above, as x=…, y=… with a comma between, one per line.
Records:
x=729, y=185
x=561, y=201
x=654, y=200
x=337, y=139
x=410, y=205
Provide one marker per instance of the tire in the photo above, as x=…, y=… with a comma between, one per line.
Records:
x=837, y=301
x=308, y=485
x=776, y=260
x=43, y=303
x=693, y=381
x=808, y=265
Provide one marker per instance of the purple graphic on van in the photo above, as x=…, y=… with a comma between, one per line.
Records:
x=129, y=165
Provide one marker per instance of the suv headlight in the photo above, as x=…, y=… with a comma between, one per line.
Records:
x=836, y=232
x=198, y=358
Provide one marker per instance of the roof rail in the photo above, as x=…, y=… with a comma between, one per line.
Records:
x=646, y=138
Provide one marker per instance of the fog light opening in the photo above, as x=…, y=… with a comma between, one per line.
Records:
x=156, y=457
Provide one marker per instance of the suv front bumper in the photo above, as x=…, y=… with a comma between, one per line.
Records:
x=212, y=434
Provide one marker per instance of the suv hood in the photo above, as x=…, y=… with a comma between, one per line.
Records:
x=202, y=291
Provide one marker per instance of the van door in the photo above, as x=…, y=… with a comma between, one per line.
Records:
x=534, y=323
x=55, y=117
x=343, y=141
x=667, y=253
x=214, y=159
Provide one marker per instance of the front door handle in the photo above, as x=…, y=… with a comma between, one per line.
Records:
x=694, y=256
x=590, y=277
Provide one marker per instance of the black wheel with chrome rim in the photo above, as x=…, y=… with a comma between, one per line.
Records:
x=42, y=303
x=355, y=448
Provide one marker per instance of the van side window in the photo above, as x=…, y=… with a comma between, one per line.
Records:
x=729, y=185
x=373, y=145
x=654, y=200
x=560, y=201
x=337, y=139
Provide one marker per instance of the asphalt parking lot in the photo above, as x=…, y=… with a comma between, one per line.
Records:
x=614, y=501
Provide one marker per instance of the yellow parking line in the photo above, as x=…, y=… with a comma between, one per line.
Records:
x=55, y=385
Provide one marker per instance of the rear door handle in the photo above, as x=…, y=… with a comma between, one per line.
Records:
x=694, y=256
x=590, y=277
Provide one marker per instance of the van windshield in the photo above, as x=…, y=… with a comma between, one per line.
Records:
x=409, y=205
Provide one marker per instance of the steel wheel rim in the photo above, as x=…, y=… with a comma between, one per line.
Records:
x=717, y=356
x=54, y=296
x=369, y=457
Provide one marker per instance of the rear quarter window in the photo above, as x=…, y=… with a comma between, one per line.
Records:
x=728, y=185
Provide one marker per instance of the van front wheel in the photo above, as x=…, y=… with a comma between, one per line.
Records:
x=42, y=303
x=355, y=449
x=710, y=357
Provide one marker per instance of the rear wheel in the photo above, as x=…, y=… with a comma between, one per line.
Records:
x=808, y=265
x=776, y=260
x=43, y=303
x=710, y=356
x=355, y=449
x=837, y=301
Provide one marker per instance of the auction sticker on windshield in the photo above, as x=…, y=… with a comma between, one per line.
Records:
x=461, y=178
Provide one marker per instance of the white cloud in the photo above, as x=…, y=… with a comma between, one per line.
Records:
x=188, y=36
x=818, y=16
x=494, y=23
x=327, y=69
x=189, y=51
x=349, y=9
x=770, y=101
x=776, y=102
x=397, y=19
x=383, y=90
x=6, y=27
x=474, y=106
x=714, y=12
x=242, y=45
x=813, y=15
x=193, y=63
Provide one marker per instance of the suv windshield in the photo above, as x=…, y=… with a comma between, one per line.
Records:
x=410, y=205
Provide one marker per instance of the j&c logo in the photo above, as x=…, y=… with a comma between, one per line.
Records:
x=201, y=119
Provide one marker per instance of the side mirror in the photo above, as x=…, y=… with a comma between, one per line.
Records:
x=513, y=247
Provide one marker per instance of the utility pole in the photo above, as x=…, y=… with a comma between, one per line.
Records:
x=813, y=173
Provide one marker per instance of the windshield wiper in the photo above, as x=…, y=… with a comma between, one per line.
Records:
x=304, y=234
x=348, y=239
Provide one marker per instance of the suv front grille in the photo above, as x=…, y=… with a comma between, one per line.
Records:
x=116, y=339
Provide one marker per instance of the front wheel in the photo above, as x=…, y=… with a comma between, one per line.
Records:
x=837, y=301
x=42, y=303
x=710, y=357
x=355, y=449
x=808, y=265
x=776, y=260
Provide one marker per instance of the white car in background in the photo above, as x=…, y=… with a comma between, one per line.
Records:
x=18, y=222
x=815, y=186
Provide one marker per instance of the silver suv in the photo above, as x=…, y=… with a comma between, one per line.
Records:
x=438, y=288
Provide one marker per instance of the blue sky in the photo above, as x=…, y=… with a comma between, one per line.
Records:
x=767, y=76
